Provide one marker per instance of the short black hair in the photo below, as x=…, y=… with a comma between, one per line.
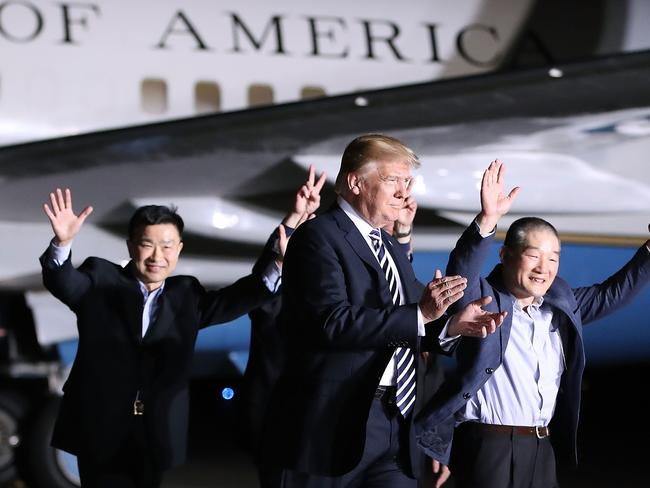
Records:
x=154, y=215
x=520, y=228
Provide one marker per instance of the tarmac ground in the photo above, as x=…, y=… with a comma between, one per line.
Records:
x=613, y=441
x=614, y=446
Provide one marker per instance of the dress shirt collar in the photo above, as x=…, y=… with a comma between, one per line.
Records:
x=356, y=218
x=537, y=303
x=145, y=292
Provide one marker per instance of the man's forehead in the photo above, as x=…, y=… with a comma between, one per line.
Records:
x=397, y=165
x=542, y=240
x=159, y=232
x=553, y=249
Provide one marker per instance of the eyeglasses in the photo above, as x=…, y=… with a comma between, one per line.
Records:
x=394, y=181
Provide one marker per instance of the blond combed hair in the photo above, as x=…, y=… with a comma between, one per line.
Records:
x=372, y=148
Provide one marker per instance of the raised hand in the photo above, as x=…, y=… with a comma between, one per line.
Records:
x=473, y=321
x=404, y=223
x=494, y=202
x=65, y=223
x=312, y=201
x=307, y=200
x=439, y=294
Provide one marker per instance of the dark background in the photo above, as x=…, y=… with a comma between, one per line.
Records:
x=613, y=435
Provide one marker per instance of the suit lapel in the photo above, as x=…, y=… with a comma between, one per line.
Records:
x=505, y=302
x=131, y=304
x=356, y=240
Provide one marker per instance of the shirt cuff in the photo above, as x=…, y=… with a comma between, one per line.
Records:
x=488, y=234
x=421, y=330
x=272, y=277
x=446, y=342
x=276, y=243
x=59, y=254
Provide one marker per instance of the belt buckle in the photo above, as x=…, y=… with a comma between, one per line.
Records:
x=538, y=428
x=138, y=407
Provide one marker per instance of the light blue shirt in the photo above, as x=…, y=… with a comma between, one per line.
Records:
x=149, y=312
x=523, y=390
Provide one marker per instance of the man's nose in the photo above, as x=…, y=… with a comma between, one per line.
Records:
x=543, y=265
x=156, y=253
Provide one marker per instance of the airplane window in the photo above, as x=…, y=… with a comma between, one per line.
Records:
x=308, y=92
x=154, y=95
x=259, y=94
x=207, y=97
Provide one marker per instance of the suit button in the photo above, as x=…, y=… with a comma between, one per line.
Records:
x=489, y=370
x=466, y=396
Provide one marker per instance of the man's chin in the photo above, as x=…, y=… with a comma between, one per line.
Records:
x=151, y=278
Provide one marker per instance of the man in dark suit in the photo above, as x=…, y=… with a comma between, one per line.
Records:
x=355, y=319
x=267, y=345
x=124, y=411
x=511, y=385
x=267, y=353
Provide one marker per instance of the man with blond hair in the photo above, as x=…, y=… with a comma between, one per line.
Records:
x=357, y=319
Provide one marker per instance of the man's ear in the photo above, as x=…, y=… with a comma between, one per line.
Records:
x=354, y=183
x=131, y=247
x=180, y=247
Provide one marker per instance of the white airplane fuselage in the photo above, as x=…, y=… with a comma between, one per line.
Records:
x=75, y=67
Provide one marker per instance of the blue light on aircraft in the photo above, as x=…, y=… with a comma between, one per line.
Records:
x=227, y=393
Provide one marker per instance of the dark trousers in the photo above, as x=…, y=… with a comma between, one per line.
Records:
x=269, y=477
x=132, y=466
x=485, y=459
x=384, y=460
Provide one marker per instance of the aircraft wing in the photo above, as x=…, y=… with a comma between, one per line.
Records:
x=574, y=137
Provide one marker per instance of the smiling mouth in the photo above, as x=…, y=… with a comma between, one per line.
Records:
x=538, y=281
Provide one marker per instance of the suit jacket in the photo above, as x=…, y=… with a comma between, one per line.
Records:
x=114, y=362
x=266, y=360
x=479, y=358
x=342, y=329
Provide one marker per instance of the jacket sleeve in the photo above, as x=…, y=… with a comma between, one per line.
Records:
x=319, y=308
x=467, y=260
x=232, y=301
x=246, y=294
x=65, y=282
x=601, y=299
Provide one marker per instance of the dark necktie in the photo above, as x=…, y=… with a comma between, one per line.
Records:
x=405, y=396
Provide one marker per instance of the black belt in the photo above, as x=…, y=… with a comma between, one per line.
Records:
x=538, y=431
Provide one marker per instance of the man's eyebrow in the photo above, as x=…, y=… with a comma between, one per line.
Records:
x=534, y=248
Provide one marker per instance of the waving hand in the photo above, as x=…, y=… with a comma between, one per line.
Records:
x=65, y=223
x=494, y=202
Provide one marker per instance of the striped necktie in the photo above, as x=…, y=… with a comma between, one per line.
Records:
x=405, y=396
